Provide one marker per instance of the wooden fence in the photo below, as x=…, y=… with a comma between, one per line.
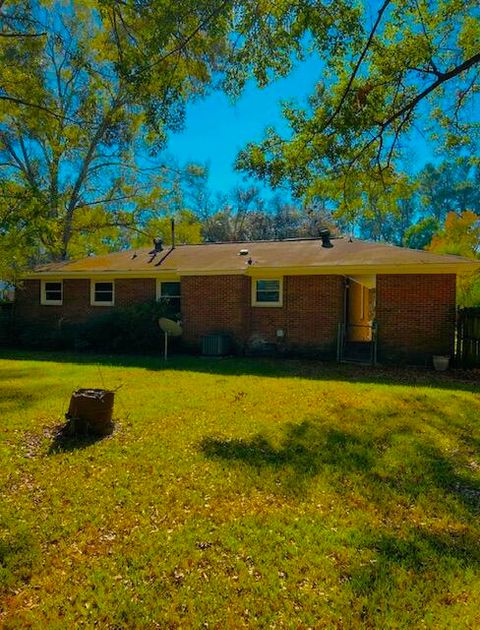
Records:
x=468, y=338
x=5, y=322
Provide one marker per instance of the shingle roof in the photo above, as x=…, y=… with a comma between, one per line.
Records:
x=306, y=254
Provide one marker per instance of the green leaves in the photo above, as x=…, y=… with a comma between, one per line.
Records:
x=85, y=106
x=461, y=236
x=379, y=74
x=107, y=83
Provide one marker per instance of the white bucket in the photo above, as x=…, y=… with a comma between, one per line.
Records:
x=441, y=363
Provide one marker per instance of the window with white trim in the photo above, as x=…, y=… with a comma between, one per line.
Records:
x=51, y=293
x=267, y=292
x=168, y=291
x=102, y=293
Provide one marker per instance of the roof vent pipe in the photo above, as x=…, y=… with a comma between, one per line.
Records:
x=325, y=236
x=157, y=244
x=173, y=232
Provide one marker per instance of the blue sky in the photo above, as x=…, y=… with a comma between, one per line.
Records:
x=216, y=129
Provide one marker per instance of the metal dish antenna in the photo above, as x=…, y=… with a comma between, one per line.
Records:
x=169, y=327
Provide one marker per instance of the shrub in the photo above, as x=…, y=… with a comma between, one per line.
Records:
x=119, y=330
x=124, y=329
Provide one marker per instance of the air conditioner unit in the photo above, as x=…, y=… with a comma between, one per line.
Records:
x=215, y=345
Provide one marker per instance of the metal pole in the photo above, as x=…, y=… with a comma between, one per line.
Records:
x=340, y=335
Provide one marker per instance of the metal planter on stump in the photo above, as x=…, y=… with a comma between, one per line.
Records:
x=90, y=412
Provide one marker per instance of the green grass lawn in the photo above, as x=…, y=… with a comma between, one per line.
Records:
x=239, y=493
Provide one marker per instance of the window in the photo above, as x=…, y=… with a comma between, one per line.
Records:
x=169, y=292
x=267, y=292
x=101, y=293
x=51, y=293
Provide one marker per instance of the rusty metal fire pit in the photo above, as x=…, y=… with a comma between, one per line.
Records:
x=90, y=412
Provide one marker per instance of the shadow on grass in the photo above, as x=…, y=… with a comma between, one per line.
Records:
x=20, y=554
x=20, y=396
x=388, y=568
x=13, y=375
x=467, y=380
x=63, y=441
x=419, y=552
x=416, y=552
x=305, y=449
x=414, y=566
x=401, y=459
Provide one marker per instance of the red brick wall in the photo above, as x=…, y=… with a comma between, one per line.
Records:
x=76, y=301
x=129, y=292
x=29, y=311
x=416, y=317
x=312, y=309
x=315, y=308
x=415, y=314
x=215, y=304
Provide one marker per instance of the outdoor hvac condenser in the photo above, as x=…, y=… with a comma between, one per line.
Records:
x=215, y=345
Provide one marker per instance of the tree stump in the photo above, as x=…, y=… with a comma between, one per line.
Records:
x=90, y=412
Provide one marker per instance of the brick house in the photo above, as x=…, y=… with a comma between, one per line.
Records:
x=301, y=296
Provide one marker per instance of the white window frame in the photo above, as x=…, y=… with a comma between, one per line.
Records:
x=159, y=288
x=267, y=304
x=92, y=292
x=43, y=293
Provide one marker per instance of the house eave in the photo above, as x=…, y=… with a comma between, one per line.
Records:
x=257, y=270
x=104, y=274
x=348, y=270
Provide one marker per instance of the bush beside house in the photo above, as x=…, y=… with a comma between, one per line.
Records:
x=127, y=329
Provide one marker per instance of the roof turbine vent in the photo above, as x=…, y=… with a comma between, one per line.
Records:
x=325, y=236
x=157, y=244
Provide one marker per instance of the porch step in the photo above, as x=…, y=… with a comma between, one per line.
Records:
x=357, y=352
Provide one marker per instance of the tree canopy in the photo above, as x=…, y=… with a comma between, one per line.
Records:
x=386, y=69
x=91, y=89
x=461, y=235
x=85, y=107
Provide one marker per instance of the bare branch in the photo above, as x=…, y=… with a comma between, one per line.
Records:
x=97, y=202
x=357, y=66
x=17, y=35
x=18, y=160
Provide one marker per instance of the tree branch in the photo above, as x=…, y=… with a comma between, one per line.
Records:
x=405, y=112
x=83, y=172
x=105, y=200
x=188, y=38
x=21, y=164
x=19, y=101
x=442, y=78
x=339, y=106
x=13, y=34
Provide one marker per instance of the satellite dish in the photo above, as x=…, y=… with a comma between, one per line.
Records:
x=169, y=327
